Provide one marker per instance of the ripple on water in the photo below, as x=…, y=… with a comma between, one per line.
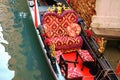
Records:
x=21, y=49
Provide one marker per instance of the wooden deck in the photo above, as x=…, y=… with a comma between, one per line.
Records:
x=108, y=33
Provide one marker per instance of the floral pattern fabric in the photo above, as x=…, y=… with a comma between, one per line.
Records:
x=73, y=29
x=74, y=73
x=85, y=56
x=65, y=43
x=56, y=25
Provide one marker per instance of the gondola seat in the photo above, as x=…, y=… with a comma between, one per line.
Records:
x=74, y=74
x=62, y=30
x=69, y=68
x=86, y=57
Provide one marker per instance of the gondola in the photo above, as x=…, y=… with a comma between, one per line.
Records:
x=70, y=52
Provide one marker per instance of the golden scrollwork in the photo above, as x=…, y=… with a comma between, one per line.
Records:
x=59, y=8
x=101, y=44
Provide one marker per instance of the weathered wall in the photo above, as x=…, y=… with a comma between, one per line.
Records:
x=107, y=14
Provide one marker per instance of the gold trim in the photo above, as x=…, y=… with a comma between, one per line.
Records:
x=59, y=8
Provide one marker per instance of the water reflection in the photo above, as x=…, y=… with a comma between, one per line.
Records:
x=22, y=15
x=27, y=59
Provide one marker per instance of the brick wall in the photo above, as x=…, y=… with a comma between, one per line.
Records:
x=85, y=9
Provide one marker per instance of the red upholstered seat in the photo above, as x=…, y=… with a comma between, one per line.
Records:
x=85, y=56
x=69, y=67
x=57, y=24
x=65, y=42
x=74, y=74
x=58, y=29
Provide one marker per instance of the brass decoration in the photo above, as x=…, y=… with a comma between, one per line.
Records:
x=59, y=8
x=101, y=44
x=52, y=47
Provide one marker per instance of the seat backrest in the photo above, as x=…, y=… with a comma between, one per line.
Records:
x=55, y=24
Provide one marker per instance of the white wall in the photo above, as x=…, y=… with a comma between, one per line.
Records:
x=107, y=14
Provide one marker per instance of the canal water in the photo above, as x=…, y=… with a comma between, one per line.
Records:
x=21, y=57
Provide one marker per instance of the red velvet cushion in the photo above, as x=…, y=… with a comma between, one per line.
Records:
x=73, y=29
x=65, y=43
x=85, y=55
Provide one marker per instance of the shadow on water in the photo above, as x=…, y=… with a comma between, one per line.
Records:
x=33, y=52
x=30, y=62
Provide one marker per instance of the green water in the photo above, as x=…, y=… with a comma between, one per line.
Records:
x=27, y=60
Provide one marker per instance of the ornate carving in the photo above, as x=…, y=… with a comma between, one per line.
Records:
x=59, y=8
x=101, y=44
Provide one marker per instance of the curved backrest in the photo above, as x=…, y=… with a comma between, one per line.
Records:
x=56, y=24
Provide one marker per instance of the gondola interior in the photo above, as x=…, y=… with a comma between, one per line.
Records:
x=62, y=35
x=69, y=50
